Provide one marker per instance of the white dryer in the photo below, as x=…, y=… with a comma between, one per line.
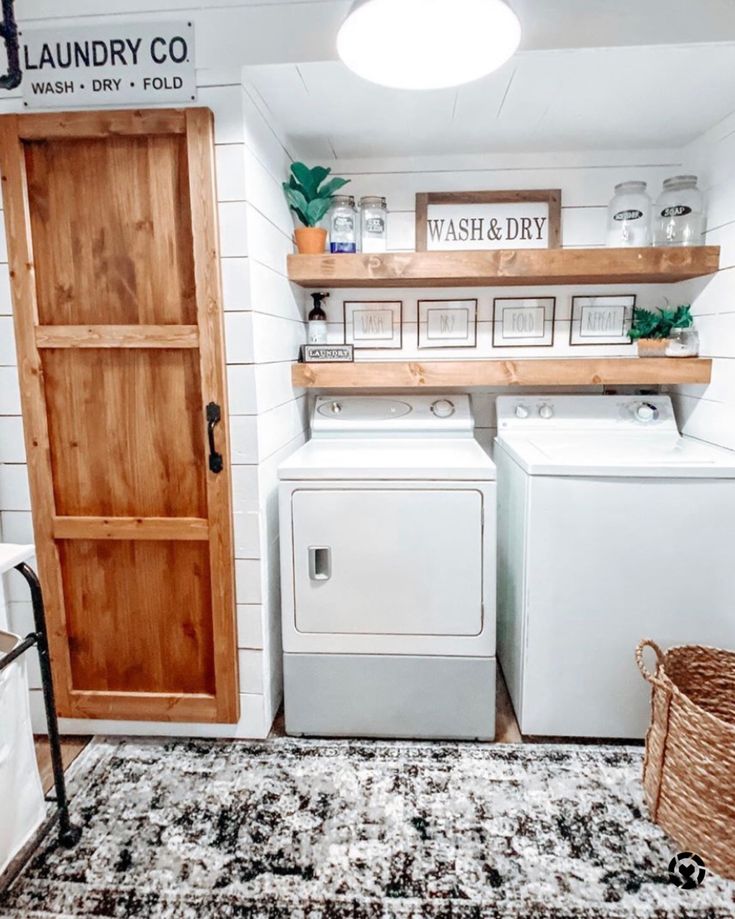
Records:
x=387, y=519
x=611, y=527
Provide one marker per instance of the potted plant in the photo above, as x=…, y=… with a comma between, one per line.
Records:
x=309, y=196
x=652, y=330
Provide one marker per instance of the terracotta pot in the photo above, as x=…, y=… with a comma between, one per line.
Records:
x=652, y=347
x=310, y=240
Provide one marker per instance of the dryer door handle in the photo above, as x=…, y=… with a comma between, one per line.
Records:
x=320, y=563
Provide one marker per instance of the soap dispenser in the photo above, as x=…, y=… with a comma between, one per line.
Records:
x=318, y=321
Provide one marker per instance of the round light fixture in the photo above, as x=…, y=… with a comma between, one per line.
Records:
x=427, y=44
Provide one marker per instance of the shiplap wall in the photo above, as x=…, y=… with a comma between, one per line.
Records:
x=277, y=311
x=708, y=412
x=264, y=326
x=587, y=182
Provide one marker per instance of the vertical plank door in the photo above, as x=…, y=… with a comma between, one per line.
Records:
x=111, y=227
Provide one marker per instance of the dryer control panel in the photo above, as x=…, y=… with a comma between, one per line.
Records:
x=585, y=413
x=392, y=416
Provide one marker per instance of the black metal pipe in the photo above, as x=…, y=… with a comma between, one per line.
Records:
x=68, y=833
x=9, y=34
x=8, y=658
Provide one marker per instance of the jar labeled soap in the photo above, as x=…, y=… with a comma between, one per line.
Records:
x=373, y=224
x=679, y=213
x=343, y=224
x=629, y=216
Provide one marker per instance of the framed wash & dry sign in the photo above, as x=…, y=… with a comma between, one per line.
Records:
x=373, y=323
x=601, y=320
x=520, y=219
x=523, y=322
x=447, y=323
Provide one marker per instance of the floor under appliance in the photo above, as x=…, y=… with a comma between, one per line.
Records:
x=299, y=829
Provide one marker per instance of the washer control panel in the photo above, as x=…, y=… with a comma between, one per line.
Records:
x=585, y=412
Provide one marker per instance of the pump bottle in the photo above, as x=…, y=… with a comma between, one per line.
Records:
x=318, y=321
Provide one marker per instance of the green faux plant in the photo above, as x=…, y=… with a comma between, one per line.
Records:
x=649, y=324
x=309, y=194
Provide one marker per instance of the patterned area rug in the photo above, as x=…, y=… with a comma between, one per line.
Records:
x=360, y=830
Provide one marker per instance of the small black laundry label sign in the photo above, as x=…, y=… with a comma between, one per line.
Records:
x=327, y=353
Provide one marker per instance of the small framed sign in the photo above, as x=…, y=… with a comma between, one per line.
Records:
x=603, y=320
x=374, y=323
x=523, y=322
x=447, y=324
x=447, y=221
x=327, y=354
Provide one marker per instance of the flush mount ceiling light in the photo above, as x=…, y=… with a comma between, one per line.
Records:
x=427, y=44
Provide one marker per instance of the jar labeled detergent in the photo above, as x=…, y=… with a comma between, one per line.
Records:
x=629, y=216
x=343, y=225
x=679, y=213
x=373, y=224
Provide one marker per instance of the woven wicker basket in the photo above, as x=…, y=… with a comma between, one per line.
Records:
x=689, y=767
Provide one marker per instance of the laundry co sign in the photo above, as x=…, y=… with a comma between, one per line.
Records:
x=108, y=65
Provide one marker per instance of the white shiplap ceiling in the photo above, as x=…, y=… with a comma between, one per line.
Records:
x=232, y=33
x=598, y=74
x=596, y=98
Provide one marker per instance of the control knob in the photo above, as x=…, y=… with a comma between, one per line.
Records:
x=546, y=411
x=443, y=408
x=521, y=411
x=646, y=412
x=335, y=408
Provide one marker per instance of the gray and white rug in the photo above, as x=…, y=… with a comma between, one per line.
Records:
x=360, y=830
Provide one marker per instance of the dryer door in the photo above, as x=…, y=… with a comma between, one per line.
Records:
x=388, y=561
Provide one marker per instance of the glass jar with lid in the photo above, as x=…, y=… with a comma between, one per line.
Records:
x=373, y=224
x=683, y=343
x=629, y=216
x=679, y=213
x=343, y=224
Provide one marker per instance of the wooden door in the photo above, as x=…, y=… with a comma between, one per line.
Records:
x=111, y=229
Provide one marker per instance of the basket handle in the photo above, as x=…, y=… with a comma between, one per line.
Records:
x=647, y=675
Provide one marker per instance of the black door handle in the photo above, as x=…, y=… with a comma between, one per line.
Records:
x=214, y=416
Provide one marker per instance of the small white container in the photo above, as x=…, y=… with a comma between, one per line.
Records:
x=629, y=216
x=22, y=806
x=679, y=213
x=373, y=224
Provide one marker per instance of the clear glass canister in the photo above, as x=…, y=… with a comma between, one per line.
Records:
x=629, y=216
x=679, y=213
x=683, y=343
x=343, y=224
x=373, y=224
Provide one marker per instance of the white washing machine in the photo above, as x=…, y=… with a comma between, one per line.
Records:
x=387, y=519
x=611, y=527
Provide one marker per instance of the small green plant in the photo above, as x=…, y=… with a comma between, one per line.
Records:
x=649, y=324
x=308, y=193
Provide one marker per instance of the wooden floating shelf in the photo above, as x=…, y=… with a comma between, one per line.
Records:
x=505, y=267
x=534, y=372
